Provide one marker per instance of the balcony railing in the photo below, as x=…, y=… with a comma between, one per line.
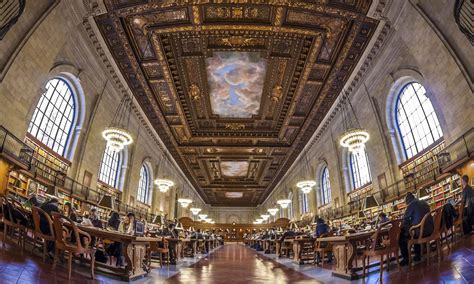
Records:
x=19, y=152
x=15, y=148
x=458, y=152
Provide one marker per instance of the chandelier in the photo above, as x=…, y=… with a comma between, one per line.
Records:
x=265, y=217
x=354, y=137
x=306, y=185
x=195, y=211
x=184, y=202
x=284, y=203
x=272, y=211
x=164, y=184
x=117, y=134
x=258, y=221
x=202, y=216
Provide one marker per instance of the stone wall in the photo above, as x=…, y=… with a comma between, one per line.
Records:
x=61, y=45
x=419, y=42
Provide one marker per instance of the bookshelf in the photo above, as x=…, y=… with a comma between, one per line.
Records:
x=422, y=168
x=444, y=190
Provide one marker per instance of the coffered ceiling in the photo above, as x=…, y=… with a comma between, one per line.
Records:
x=236, y=89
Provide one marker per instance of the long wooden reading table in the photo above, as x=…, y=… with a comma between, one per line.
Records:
x=345, y=250
x=134, y=251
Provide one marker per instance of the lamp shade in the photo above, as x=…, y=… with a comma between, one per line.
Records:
x=107, y=201
x=423, y=193
x=195, y=211
x=51, y=191
x=272, y=211
x=157, y=220
x=284, y=203
x=179, y=226
x=370, y=202
x=293, y=226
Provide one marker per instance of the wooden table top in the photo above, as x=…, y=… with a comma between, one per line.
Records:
x=116, y=236
x=349, y=237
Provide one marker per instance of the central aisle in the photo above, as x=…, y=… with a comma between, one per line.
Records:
x=234, y=263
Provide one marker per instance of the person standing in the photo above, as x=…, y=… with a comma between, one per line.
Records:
x=414, y=213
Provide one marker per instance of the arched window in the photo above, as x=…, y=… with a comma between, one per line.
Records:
x=54, y=116
x=359, y=169
x=325, y=187
x=144, y=190
x=110, y=168
x=416, y=119
x=304, y=202
x=290, y=206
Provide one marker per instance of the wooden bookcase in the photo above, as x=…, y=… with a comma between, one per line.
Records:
x=423, y=168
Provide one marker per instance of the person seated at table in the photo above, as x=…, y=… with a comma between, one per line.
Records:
x=70, y=212
x=414, y=213
x=197, y=235
x=321, y=227
x=288, y=234
x=128, y=224
x=115, y=249
x=86, y=221
x=32, y=201
x=172, y=233
x=468, y=203
x=96, y=222
x=382, y=218
x=49, y=207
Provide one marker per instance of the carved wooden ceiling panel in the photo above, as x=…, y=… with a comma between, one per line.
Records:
x=235, y=91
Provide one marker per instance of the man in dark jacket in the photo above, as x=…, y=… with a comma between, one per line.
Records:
x=414, y=213
x=321, y=227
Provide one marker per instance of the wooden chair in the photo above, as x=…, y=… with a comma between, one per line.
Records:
x=63, y=224
x=435, y=237
x=286, y=248
x=321, y=248
x=457, y=225
x=38, y=234
x=154, y=247
x=9, y=224
x=383, y=243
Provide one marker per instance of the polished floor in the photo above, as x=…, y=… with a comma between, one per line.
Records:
x=234, y=263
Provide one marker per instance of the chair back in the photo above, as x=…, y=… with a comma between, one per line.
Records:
x=63, y=227
x=394, y=228
x=6, y=209
x=37, y=213
x=437, y=220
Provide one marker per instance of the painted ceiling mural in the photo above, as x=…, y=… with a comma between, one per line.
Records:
x=234, y=168
x=235, y=89
x=236, y=83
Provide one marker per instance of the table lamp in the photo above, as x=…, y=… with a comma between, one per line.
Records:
x=107, y=201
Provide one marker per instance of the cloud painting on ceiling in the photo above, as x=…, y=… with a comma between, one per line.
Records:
x=234, y=168
x=234, y=194
x=236, y=83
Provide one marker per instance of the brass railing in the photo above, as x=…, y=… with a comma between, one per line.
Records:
x=459, y=150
